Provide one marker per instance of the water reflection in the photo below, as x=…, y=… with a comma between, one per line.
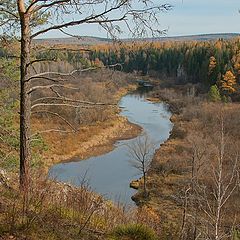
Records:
x=111, y=173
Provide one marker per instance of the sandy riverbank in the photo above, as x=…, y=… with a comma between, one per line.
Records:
x=88, y=141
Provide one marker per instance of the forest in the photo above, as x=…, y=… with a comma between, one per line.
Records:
x=63, y=106
x=196, y=105
x=209, y=64
x=206, y=63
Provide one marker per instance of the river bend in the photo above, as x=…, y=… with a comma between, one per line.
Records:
x=110, y=174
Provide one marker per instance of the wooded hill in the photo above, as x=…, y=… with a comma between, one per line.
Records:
x=89, y=40
x=213, y=63
x=205, y=63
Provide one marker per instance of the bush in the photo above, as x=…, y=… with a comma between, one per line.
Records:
x=214, y=94
x=236, y=234
x=133, y=232
x=178, y=132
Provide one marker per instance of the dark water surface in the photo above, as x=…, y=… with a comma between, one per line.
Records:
x=111, y=173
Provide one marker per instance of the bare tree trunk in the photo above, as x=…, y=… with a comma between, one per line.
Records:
x=219, y=182
x=144, y=184
x=184, y=217
x=25, y=102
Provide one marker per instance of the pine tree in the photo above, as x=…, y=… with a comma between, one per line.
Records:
x=214, y=94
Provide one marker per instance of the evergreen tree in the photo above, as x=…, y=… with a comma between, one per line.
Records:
x=214, y=94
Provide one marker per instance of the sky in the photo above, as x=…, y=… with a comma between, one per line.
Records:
x=188, y=17
x=202, y=16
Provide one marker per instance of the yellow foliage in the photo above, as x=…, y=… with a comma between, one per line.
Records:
x=236, y=63
x=228, y=82
x=212, y=64
x=218, y=44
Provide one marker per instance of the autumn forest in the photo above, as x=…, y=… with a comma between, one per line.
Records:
x=118, y=138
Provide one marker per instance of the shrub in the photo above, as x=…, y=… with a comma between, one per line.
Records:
x=236, y=234
x=133, y=232
x=214, y=94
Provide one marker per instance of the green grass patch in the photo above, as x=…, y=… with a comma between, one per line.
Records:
x=133, y=232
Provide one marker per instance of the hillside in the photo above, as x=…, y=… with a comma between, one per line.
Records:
x=89, y=40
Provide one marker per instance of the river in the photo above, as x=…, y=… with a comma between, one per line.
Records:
x=110, y=174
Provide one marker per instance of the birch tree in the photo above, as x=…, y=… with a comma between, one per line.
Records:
x=214, y=181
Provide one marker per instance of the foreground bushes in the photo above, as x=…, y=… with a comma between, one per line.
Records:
x=56, y=211
x=133, y=232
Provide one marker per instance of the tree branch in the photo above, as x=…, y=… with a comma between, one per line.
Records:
x=81, y=21
x=9, y=12
x=40, y=75
x=57, y=115
x=49, y=87
x=51, y=130
x=54, y=104
x=31, y=8
x=41, y=60
x=73, y=100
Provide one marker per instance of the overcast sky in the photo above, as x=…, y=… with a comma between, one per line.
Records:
x=187, y=17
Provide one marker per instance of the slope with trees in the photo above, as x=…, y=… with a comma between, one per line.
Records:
x=206, y=63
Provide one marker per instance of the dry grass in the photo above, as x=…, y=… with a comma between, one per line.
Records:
x=60, y=211
x=97, y=128
x=170, y=173
x=88, y=141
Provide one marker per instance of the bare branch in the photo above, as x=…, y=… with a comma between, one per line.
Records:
x=57, y=115
x=33, y=8
x=70, y=35
x=41, y=60
x=74, y=101
x=70, y=74
x=51, y=130
x=54, y=104
x=40, y=75
x=81, y=21
x=50, y=86
x=8, y=12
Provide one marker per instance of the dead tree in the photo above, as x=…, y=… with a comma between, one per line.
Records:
x=199, y=159
x=225, y=182
x=33, y=18
x=141, y=153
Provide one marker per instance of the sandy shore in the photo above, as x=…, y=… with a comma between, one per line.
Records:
x=89, y=141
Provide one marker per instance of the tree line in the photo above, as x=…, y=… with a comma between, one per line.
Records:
x=207, y=63
x=215, y=65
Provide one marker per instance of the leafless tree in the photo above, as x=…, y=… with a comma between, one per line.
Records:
x=141, y=153
x=213, y=183
x=28, y=19
x=199, y=163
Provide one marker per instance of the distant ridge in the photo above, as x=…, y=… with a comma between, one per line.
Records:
x=88, y=40
x=85, y=40
x=201, y=37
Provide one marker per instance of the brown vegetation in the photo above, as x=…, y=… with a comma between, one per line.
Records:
x=97, y=128
x=200, y=157
x=60, y=211
x=89, y=141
